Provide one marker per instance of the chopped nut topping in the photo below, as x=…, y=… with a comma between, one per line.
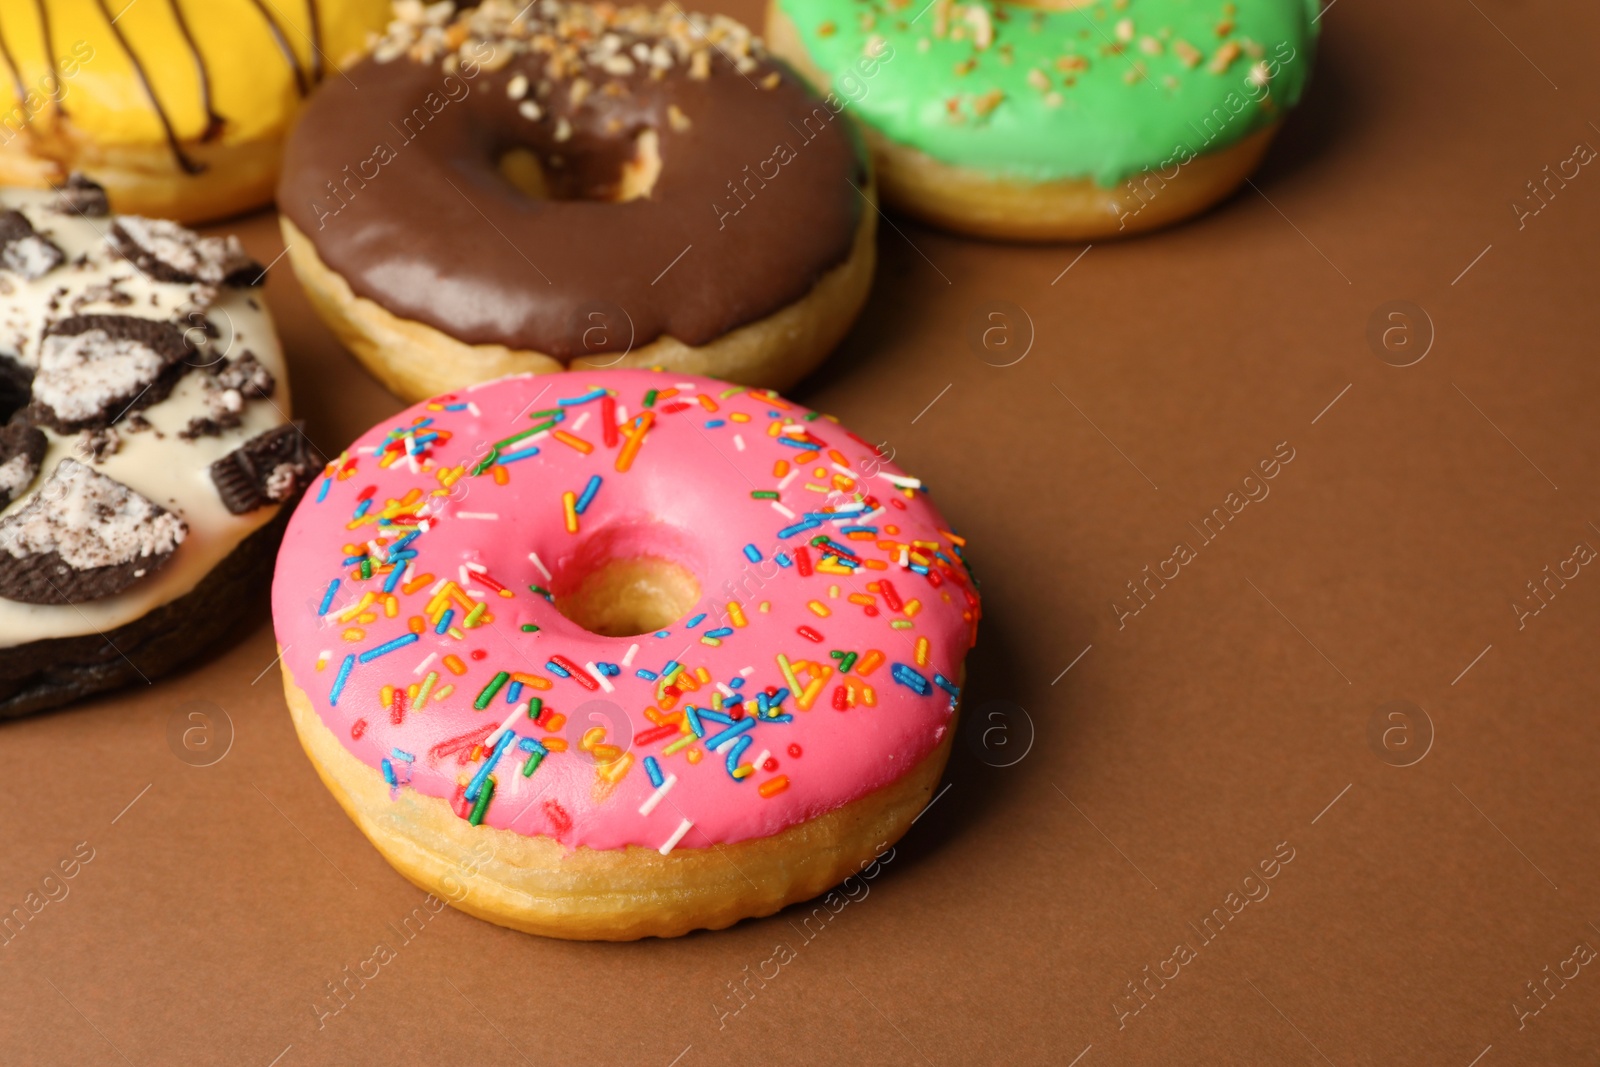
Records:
x=1223, y=58
x=569, y=37
x=987, y=102
x=1187, y=53
x=982, y=28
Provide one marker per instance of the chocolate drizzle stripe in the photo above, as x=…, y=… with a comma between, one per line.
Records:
x=50, y=54
x=289, y=56
x=16, y=76
x=188, y=165
x=214, y=122
x=314, y=17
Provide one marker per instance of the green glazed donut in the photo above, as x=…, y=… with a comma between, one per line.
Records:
x=1132, y=111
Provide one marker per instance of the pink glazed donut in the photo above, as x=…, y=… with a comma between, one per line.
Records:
x=564, y=652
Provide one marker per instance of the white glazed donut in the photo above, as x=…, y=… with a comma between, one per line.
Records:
x=137, y=369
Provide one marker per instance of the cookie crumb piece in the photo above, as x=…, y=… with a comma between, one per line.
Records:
x=81, y=195
x=83, y=536
x=22, y=448
x=25, y=252
x=270, y=468
x=172, y=253
x=93, y=369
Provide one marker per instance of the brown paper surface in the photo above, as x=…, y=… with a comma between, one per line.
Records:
x=1121, y=778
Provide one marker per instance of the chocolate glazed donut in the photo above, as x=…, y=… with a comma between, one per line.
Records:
x=511, y=210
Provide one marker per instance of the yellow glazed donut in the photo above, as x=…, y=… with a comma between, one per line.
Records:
x=178, y=108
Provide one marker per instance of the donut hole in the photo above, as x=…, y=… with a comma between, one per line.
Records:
x=628, y=597
x=609, y=172
x=627, y=580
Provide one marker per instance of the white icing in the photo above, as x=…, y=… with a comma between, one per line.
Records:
x=89, y=520
x=156, y=463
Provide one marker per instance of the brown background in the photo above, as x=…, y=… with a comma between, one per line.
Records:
x=1222, y=720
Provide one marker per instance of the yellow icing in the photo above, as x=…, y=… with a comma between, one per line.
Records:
x=253, y=86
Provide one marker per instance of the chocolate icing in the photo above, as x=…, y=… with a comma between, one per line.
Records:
x=753, y=205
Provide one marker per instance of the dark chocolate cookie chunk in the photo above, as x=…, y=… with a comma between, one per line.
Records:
x=23, y=251
x=22, y=448
x=270, y=468
x=172, y=253
x=83, y=536
x=16, y=385
x=96, y=446
x=247, y=376
x=232, y=382
x=82, y=195
x=208, y=426
x=95, y=368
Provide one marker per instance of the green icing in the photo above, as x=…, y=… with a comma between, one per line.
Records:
x=1104, y=91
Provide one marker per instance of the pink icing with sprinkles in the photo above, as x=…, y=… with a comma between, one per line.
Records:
x=413, y=601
